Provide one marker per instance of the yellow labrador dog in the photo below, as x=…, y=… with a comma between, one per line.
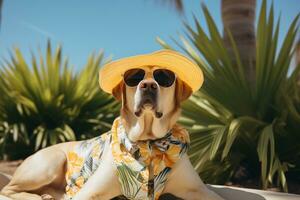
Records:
x=151, y=96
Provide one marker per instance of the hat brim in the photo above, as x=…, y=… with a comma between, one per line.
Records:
x=111, y=74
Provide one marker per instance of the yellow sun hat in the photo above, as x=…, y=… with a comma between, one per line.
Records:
x=111, y=74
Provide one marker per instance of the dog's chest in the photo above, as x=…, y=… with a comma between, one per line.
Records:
x=142, y=168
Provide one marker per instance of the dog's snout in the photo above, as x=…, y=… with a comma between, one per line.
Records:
x=148, y=85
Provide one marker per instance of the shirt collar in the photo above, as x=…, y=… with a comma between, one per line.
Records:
x=161, y=143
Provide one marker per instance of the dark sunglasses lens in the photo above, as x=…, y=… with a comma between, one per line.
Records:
x=132, y=77
x=164, y=77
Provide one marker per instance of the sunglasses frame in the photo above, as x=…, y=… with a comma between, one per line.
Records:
x=175, y=76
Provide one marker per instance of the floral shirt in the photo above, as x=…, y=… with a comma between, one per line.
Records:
x=142, y=167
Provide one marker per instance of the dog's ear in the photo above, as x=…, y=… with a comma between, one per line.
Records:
x=182, y=91
x=117, y=91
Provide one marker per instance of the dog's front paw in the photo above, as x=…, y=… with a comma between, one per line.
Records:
x=47, y=197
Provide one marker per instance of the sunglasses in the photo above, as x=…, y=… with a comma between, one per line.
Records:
x=163, y=77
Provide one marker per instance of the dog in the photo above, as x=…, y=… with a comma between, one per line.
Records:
x=151, y=96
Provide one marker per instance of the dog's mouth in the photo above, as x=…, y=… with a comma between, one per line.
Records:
x=148, y=102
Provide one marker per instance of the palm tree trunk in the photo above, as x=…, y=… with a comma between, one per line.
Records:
x=239, y=18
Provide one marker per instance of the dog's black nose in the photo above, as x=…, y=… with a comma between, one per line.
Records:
x=148, y=85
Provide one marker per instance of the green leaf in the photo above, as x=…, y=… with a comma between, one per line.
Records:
x=215, y=145
x=266, y=152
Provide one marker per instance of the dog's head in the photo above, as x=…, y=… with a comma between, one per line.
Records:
x=151, y=98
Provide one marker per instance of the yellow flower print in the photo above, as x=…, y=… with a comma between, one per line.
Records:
x=95, y=151
x=79, y=181
x=75, y=162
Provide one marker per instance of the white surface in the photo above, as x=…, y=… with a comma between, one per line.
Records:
x=235, y=193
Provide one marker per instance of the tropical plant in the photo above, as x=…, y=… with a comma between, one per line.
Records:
x=236, y=127
x=47, y=102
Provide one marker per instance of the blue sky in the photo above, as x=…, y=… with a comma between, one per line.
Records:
x=121, y=28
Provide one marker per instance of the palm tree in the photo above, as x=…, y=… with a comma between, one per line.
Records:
x=238, y=18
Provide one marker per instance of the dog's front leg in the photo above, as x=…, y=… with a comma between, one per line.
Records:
x=185, y=183
x=103, y=184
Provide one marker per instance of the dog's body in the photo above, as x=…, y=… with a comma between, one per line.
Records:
x=148, y=112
